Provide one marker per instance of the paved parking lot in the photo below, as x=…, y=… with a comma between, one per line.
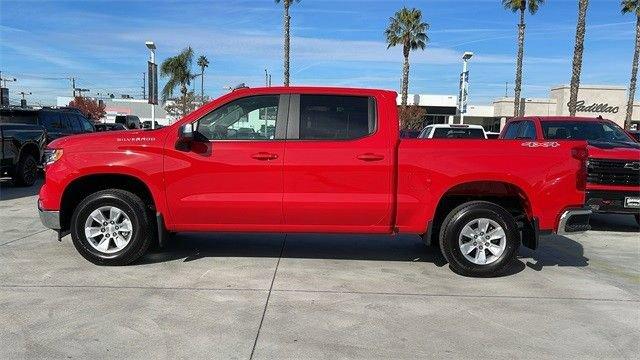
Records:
x=241, y=296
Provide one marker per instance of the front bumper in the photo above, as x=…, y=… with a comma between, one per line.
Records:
x=50, y=218
x=612, y=201
x=574, y=221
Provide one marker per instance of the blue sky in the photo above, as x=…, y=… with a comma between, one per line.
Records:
x=341, y=43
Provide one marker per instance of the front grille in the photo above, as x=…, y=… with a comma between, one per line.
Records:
x=612, y=172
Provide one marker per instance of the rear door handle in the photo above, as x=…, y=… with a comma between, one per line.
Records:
x=370, y=157
x=264, y=156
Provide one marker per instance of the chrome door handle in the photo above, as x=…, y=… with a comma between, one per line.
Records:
x=264, y=156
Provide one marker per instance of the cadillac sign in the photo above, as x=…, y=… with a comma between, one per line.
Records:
x=595, y=108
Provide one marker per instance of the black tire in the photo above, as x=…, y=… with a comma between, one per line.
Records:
x=26, y=170
x=461, y=216
x=142, y=224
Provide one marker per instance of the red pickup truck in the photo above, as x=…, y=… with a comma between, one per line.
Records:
x=305, y=159
x=613, y=168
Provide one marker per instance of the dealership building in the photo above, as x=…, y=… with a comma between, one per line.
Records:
x=127, y=106
x=607, y=101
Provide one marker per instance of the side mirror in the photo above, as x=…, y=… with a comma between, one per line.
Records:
x=185, y=137
x=186, y=132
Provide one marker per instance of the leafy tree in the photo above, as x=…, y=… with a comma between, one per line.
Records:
x=406, y=28
x=287, y=37
x=177, y=108
x=178, y=70
x=203, y=63
x=632, y=7
x=411, y=117
x=92, y=109
x=520, y=6
x=576, y=68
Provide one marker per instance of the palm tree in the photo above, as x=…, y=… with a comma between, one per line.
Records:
x=203, y=63
x=520, y=6
x=178, y=69
x=632, y=6
x=577, y=56
x=406, y=28
x=287, y=38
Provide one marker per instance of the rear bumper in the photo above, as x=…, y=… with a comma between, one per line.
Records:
x=574, y=221
x=612, y=201
x=50, y=219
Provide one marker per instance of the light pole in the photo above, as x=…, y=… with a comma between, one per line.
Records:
x=153, y=81
x=464, y=85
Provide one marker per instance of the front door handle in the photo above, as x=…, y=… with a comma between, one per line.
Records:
x=370, y=157
x=264, y=156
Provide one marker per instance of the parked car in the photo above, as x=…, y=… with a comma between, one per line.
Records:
x=453, y=131
x=635, y=134
x=336, y=164
x=57, y=122
x=129, y=121
x=21, y=149
x=613, y=170
x=147, y=125
x=409, y=134
x=109, y=127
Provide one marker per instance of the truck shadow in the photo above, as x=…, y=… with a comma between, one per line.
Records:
x=8, y=191
x=193, y=246
x=557, y=251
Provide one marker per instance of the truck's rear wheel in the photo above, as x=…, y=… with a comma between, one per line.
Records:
x=26, y=170
x=111, y=227
x=479, y=238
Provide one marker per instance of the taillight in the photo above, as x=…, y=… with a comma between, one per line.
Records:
x=581, y=154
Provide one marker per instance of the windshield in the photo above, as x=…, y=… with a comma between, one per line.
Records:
x=584, y=130
x=458, y=133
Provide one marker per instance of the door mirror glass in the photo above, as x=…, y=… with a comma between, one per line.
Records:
x=186, y=132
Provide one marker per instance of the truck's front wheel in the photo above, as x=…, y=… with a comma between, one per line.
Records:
x=479, y=238
x=26, y=171
x=111, y=227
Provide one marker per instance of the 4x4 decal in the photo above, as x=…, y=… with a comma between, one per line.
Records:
x=546, y=144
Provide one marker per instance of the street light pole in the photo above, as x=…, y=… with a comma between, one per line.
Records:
x=152, y=49
x=464, y=85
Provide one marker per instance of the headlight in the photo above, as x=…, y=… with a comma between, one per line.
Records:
x=52, y=155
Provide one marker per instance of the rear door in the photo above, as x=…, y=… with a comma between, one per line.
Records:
x=337, y=165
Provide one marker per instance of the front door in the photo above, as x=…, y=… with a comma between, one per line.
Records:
x=337, y=166
x=231, y=178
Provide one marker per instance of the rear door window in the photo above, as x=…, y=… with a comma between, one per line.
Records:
x=72, y=123
x=52, y=121
x=513, y=130
x=335, y=117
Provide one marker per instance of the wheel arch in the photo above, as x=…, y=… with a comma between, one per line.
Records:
x=30, y=148
x=506, y=194
x=83, y=186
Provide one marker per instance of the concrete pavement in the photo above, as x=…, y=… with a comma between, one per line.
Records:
x=261, y=296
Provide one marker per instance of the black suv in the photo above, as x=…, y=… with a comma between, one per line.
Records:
x=57, y=122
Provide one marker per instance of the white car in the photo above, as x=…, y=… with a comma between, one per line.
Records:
x=453, y=131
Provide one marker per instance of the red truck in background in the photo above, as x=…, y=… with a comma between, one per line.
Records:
x=313, y=160
x=613, y=168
